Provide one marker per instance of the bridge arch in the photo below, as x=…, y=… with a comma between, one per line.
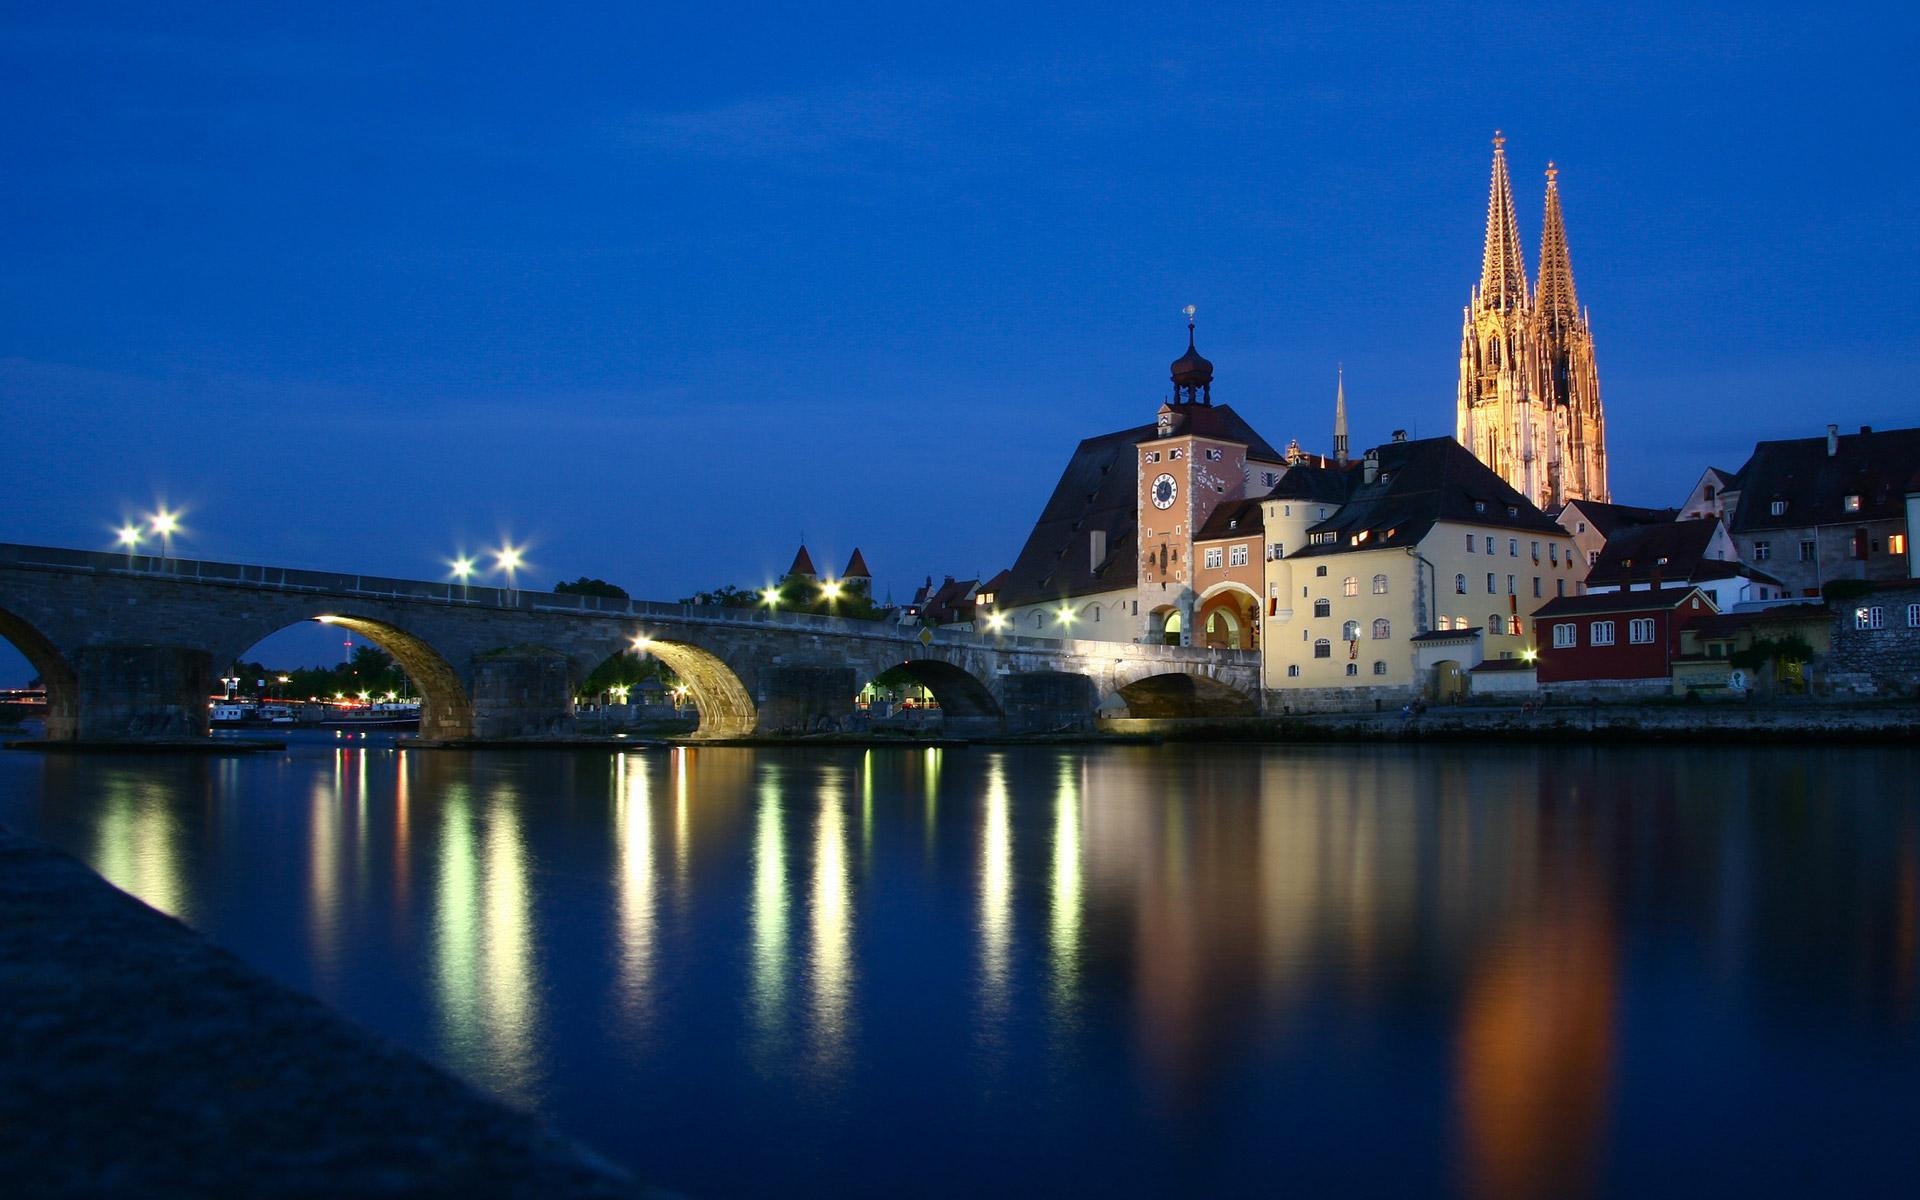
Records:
x=63, y=691
x=1175, y=695
x=966, y=703
x=726, y=706
x=446, y=704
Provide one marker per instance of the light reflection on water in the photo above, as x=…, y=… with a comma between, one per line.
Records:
x=1474, y=972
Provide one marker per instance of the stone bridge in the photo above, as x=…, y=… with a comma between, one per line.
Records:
x=131, y=646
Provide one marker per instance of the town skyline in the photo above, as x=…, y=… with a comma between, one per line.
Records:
x=875, y=305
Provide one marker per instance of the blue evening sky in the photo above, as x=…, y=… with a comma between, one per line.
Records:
x=660, y=288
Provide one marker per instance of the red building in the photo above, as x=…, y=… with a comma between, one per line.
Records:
x=1615, y=635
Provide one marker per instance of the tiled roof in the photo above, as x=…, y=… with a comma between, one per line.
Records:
x=1607, y=518
x=1240, y=518
x=1814, y=485
x=1445, y=635
x=1419, y=484
x=1098, y=492
x=1672, y=550
x=1612, y=602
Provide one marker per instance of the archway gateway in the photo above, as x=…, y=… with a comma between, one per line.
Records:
x=56, y=675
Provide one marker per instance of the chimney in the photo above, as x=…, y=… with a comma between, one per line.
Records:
x=1399, y=435
x=1370, y=469
x=1096, y=548
x=1833, y=440
x=1866, y=430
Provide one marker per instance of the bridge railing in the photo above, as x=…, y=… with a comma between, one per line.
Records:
x=378, y=587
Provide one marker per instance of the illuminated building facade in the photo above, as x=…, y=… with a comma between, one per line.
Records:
x=1529, y=397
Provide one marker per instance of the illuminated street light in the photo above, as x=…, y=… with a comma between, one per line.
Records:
x=830, y=589
x=1066, y=615
x=771, y=597
x=641, y=642
x=508, y=559
x=166, y=524
x=996, y=621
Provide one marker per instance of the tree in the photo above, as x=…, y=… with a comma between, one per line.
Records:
x=592, y=587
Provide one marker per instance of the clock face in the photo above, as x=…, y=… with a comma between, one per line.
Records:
x=1164, y=490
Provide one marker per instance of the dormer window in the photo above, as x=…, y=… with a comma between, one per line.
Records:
x=1480, y=506
x=1513, y=510
x=1779, y=508
x=1852, y=503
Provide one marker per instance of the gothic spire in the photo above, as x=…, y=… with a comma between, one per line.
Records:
x=1340, y=417
x=1554, y=298
x=1503, y=272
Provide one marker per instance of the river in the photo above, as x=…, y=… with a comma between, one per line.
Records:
x=1413, y=970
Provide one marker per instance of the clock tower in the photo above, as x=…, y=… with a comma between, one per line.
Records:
x=1187, y=468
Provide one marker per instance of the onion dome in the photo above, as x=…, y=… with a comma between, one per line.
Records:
x=1190, y=370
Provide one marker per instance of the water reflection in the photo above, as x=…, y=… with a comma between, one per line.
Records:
x=483, y=954
x=1136, y=963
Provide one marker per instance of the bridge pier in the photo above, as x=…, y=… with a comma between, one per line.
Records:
x=1048, y=701
x=522, y=691
x=134, y=692
x=806, y=699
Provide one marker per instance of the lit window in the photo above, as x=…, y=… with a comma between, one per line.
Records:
x=1871, y=617
x=1379, y=585
x=1565, y=636
x=1640, y=630
x=1350, y=586
x=1602, y=633
x=1382, y=628
x=1897, y=543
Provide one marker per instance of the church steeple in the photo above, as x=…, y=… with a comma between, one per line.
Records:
x=1503, y=272
x=1340, y=416
x=1192, y=374
x=1554, y=299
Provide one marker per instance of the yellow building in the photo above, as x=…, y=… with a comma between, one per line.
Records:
x=1386, y=578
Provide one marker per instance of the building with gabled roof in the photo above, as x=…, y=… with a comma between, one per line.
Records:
x=1812, y=510
x=1616, y=638
x=1700, y=552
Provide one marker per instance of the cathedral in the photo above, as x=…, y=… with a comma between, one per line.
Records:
x=1529, y=402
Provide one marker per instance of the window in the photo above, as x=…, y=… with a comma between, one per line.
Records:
x=1536, y=587
x=1379, y=585
x=1352, y=670
x=1513, y=547
x=1212, y=557
x=1602, y=634
x=1470, y=544
x=1707, y=494
x=1479, y=506
x=1153, y=456
x=1379, y=668
x=1870, y=617
x=1213, y=456
x=1489, y=545
x=1553, y=554
x=1583, y=527
x=1319, y=572
x=1382, y=629
x=1897, y=543
x=1095, y=612
x=1323, y=607
x=1535, y=548
x=1176, y=455
x=1779, y=508
x=1559, y=587
x=1350, y=632
x=1276, y=552
x=1809, y=551
x=1565, y=636
x=1496, y=624
x=1459, y=585
x=1913, y=616
x=1762, y=551
x=1350, y=586
x=1269, y=478
x=1640, y=630
x=1593, y=556
x=1492, y=586
x=1851, y=504
x=1323, y=649
x=1511, y=590
x=1293, y=670
x=1039, y=620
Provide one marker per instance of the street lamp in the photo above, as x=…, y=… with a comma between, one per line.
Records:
x=508, y=559
x=166, y=524
x=770, y=597
x=463, y=571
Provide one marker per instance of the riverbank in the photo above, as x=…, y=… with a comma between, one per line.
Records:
x=137, y=1059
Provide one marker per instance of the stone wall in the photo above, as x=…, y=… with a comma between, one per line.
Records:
x=1884, y=661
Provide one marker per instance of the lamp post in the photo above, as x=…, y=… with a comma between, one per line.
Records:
x=166, y=524
x=508, y=559
x=463, y=571
x=129, y=537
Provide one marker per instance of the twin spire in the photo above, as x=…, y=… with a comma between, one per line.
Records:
x=1503, y=270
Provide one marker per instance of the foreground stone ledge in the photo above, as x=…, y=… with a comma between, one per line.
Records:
x=137, y=1059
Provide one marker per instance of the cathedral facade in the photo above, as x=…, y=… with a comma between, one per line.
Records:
x=1529, y=399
